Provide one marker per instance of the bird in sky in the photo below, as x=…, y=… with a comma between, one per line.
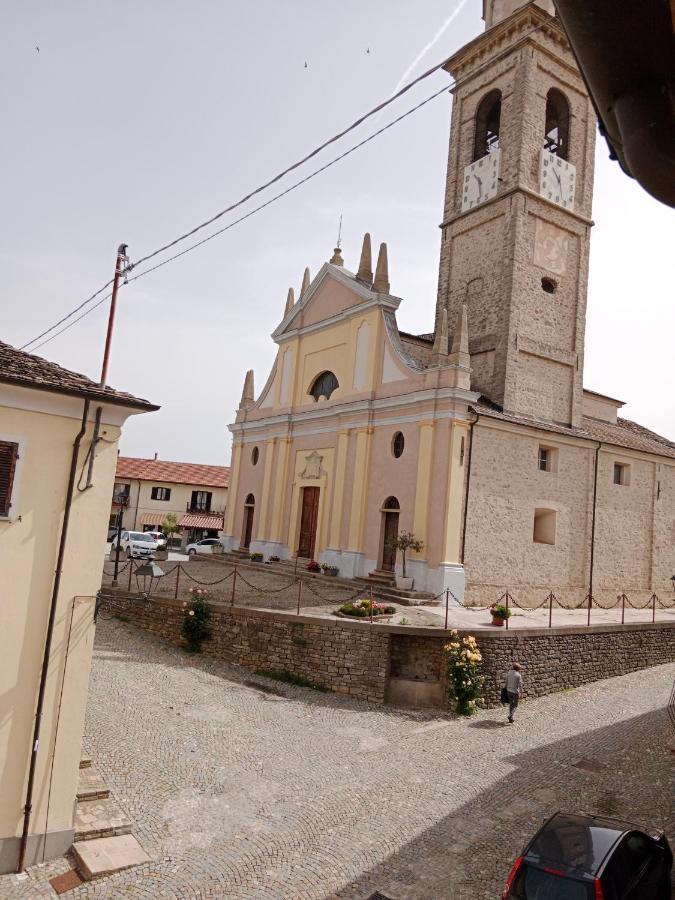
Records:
x=368, y=50
x=305, y=63
x=37, y=48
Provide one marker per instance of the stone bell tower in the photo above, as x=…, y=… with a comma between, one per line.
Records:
x=516, y=223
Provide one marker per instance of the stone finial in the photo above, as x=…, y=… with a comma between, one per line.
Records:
x=365, y=273
x=440, y=351
x=459, y=354
x=336, y=259
x=248, y=393
x=381, y=283
x=305, y=283
x=290, y=301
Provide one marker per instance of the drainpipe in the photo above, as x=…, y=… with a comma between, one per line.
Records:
x=595, y=494
x=28, y=806
x=466, y=493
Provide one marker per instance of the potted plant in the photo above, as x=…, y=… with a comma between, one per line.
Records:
x=255, y=557
x=313, y=566
x=329, y=570
x=500, y=614
x=404, y=542
x=274, y=559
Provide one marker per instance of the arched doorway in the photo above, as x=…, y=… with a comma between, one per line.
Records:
x=249, y=510
x=390, y=512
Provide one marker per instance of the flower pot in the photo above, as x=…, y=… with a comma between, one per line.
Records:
x=161, y=554
x=404, y=584
x=498, y=621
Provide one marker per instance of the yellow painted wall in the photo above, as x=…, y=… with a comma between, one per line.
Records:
x=28, y=550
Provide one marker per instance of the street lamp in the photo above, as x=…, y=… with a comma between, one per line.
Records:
x=149, y=573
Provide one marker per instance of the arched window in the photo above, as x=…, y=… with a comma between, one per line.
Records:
x=391, y=504
x=250, y=500
x=324, y=385
x=398, y=444
x=255, y=456
x=557, y=127
x=488, y=114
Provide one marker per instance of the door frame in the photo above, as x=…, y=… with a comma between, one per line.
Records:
x=388, y=509
x=303, y=489
x=249, y=514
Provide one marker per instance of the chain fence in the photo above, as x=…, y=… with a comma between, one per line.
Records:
x=287, y=589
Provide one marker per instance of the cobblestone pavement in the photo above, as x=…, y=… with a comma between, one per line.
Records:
x=240, y=787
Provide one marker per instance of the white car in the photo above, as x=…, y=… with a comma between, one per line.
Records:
x=137, y=544
x=205, y=546
x=160, y=538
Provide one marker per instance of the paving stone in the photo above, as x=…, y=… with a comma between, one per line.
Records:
x=322, y=797
x=99, y=818
x=109, y=854
x=90, y=785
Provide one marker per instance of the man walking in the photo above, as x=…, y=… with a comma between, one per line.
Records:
x=514, y=689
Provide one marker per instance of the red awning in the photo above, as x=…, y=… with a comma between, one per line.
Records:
x=152, y=518
x=193, y=521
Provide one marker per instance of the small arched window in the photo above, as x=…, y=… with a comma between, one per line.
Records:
x=250, y=500
x=255, y=456
x=557, y=126
x=324, y=385
x=488, y=116
x=398, y=444
x=391, y=504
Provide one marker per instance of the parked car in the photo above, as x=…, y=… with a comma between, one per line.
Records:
x=160, y=539
x=580, y=857
x=137, y=544
x=205, y=546
x=112, y=533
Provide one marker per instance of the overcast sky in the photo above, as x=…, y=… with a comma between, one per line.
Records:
x=137, y=120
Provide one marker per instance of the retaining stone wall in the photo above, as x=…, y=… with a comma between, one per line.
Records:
x=357, y=659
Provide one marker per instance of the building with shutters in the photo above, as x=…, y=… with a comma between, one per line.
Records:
x=147, y=490
x=52, y=422
x=479, y=436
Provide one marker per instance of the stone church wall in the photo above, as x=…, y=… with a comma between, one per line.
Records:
x=634, y=528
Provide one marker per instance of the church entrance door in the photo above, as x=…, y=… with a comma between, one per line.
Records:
x=308, y=520
x=390, y=512
x=249, y=510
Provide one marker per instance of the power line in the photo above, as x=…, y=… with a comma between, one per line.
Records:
x=71, y=313
x=252, y=212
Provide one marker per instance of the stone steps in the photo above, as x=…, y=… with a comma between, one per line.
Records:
x=85, y=762
x=106, y=855
x=90, y=785
x=99, y=818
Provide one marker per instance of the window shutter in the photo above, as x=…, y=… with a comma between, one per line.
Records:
x=9, y=453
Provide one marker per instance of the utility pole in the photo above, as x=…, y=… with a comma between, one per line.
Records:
x=120, y=264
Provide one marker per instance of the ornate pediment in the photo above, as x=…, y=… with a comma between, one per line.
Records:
x=313, y=466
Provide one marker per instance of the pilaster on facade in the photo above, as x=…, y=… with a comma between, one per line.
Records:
x=270, y=453
x=335, y=531
x=425, y=470
x=360, y=488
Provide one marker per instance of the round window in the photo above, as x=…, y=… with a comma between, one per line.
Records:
x=398, y=444
x=255, y=455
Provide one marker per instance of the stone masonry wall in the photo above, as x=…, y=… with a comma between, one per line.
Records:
x=346, y=658
x=359, y=660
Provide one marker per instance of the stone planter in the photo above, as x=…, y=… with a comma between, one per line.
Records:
x=330, y=574
x=161, y=554
x=404, y=584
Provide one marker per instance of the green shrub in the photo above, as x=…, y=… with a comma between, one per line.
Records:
x=499, y=611
x=196, y=616
x=361, y=609
x=464, y=671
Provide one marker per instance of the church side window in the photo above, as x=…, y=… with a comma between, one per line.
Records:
x=324, y=385
x=488, y=116
x=557, y=127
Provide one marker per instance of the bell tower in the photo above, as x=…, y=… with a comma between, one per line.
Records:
x=516, y=224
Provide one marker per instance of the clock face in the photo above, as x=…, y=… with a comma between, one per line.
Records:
x=557, y=179
x=480, y=181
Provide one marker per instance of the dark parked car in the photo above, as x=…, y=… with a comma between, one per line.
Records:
x=591, y=858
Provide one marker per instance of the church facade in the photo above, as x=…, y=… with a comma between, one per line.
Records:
x=479, y=437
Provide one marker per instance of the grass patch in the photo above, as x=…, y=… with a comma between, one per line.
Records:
x=290, y=678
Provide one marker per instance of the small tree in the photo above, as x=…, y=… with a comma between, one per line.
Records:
x=170, y=527
x=405, y=541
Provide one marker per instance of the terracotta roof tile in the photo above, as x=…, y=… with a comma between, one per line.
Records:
x=622, y=434
x=25, y=369
x=177, y=472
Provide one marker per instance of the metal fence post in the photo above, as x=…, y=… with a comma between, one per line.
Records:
x=623, y=607
x=506, y=597
x=653, y=607
x=131, y=568
x=550, y=609
x=371, y=604
x=299, y=594
x=234, y=585
x=175, y=596
x=447, y=601
x=590, y=601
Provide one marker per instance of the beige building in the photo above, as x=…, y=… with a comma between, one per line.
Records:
x=478, y=437
x=147, y=490
x=58, y=450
